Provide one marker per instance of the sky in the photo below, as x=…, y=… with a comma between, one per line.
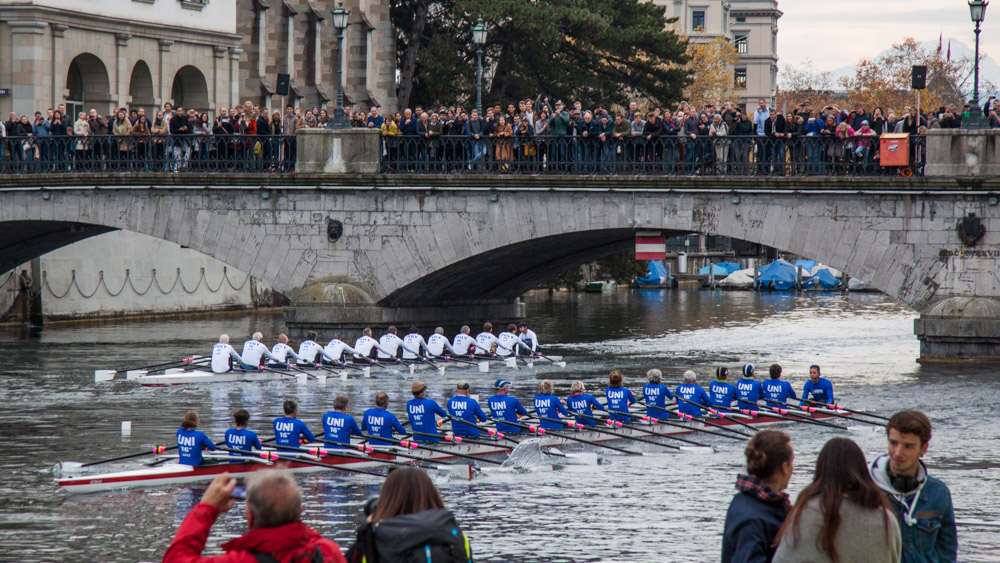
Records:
x=836, y=33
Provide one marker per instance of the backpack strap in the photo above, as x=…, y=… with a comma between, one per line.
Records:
x=316, y=556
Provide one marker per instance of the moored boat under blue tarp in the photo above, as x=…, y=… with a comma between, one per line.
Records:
x=656, y=275
x=778, y=275
x=721, y=269
x=822, y=280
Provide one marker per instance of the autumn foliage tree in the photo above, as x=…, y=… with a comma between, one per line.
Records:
x=802, y=82
x=711, y=68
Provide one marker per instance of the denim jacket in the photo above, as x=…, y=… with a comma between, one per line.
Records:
x=926, y=516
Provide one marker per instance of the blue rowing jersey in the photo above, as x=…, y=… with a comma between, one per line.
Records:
x=380, y=422
x=189, y=446
x=656, y=395
x=721, y=393
x=242, y=439
x=288, y=431
x=338, y=427
x=505, y=407
x=549, y=406
x=619, y=399
x=777, y=390
x=421, y=413
x=821, y=392
x=465, y=408
x=694, y=393
x=748, y=391
x=583, y=403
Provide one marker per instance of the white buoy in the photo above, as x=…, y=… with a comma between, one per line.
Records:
x=126, y=428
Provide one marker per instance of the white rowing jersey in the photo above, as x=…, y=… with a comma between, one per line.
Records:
x=485, y=342
x=508, y=343
x=363, y=347
x=530, y=339
x=281, y=352
x=462, y=343
x=413, y=343
x=308, y=351
x=254, y=351
x=388, y=345
x=336, y=348
x=221, y=354
x=438, y=342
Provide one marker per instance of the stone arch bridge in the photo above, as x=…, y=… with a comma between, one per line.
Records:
x=462, y=249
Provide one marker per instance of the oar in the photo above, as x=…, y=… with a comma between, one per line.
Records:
x=577, y=425
x=350, y=453
x=615, y=423
x=704, y=420
x=275, y=456
x=420, y=445
x=808, y=417
x=156, y=450
x=835, y=406
x=560, y=363
x=493, y=433
x=643, y=430
x=684, y=426
x=458, y=360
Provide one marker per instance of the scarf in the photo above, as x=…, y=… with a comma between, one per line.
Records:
x=755, y=487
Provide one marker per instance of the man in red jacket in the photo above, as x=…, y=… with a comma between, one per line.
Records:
x=274, y=504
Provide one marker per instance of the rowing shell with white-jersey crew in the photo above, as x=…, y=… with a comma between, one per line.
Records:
x=516, y=346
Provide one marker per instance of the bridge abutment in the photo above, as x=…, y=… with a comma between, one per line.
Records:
x=960, y=329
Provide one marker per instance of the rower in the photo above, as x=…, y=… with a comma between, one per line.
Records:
x=389, y=345
x=336, y=347
x=282, y=350
x=364, y=346
x=190, y=442
x=619, y=398
x=309, y=349
x=486, y=343
x=528, y=337
x=223, y=355
x=414, y=341
x=508, y=343
x=656, y=394
x=240, y=438
x=338, y=426
x=463, y=341
x=720, y=392
x=254, y=351
x=579, y=402
x=776, y=389
x=819, y=387
x=378, y=421
x=288, y=429
x=547, y=405
x=748, y=389
x=438, y=343
x=504, y=407
x=463, y=407
x=693, y=392
x=422, y=411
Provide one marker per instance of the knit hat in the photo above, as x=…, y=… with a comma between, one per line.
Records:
x=748, y=370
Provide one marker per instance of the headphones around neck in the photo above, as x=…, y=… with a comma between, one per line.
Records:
x=902, y=483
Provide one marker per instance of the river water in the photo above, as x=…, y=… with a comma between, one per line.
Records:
x=663, y=506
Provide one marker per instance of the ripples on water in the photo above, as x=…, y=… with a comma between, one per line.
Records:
x=663, y=506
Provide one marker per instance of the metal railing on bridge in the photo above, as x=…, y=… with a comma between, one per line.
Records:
x=148, y=153
x=730, y=155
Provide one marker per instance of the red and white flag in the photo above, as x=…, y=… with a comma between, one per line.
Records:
x=650, y=245
x=940, y=42
x=949, y=50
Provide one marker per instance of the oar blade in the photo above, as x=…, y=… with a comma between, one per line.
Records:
x=102, y=375
x=561, y=364
x=133, y=374
x=465, y=471
x=441, y=370
x=510, y=362
x=301, y=379
x=484, y=366
x=343, y=375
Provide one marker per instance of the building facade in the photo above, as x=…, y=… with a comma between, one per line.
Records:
x=752, y=27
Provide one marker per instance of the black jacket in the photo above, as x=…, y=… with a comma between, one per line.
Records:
x=408, y=538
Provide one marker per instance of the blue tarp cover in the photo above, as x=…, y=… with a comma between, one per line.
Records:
x=722, y=268
x=656, y=274
x=823, y=279
x=779, y=275
x=807, y=266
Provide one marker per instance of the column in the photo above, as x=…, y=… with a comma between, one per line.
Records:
x=59, y=66
x=164, y=83
x=234, y=74
x=29, y=68
x=219, y=74
x=123, y=74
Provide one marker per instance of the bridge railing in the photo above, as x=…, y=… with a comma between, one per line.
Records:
x=731, y=155
x=148, y=153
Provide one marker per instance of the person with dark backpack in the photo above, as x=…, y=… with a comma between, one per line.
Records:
x=409, y=524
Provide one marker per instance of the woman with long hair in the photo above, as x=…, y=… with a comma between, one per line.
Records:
x=842, y=515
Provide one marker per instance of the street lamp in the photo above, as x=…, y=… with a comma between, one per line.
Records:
x=340, y=16
x=479, y=38
x=977, y=9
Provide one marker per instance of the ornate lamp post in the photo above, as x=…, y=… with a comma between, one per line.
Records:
x=977, y=9
x=479, y=38
x=340, y=16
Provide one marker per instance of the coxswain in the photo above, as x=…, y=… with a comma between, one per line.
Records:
x=254, y=351
x=748, y=390
x=547, y=405
x=579, y=402
x=338, y=426
x=619, y=397
x=720, y=392
x=656, y=394
x=240, y=438
x=288, y=429
x=818, y=388
x=486, y=342
x=390, y=344
x=414, y=341
x=282, y=350
x=223, y=355
x=463, y=342
x=503, y=407
x=336, y=347
x=508, y=343
x=776, y=389
x=309, y=349
x=365, y=345
x=528, y=336
x=190, y=442
x=378, y=421
x=463, y=407
x=423, y=412
x=438, y=343
x=691, y=391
